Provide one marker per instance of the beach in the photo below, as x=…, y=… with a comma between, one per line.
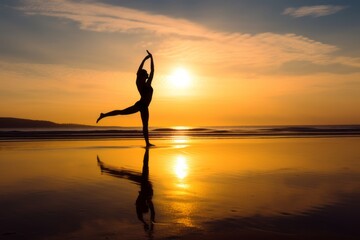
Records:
x=200, y=188
x=179, y=120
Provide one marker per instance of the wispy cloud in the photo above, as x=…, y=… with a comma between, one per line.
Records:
x=108, y=18
x=186, y=40
x=314, y=11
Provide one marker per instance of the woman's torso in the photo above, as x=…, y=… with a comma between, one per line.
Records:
x=146, y=92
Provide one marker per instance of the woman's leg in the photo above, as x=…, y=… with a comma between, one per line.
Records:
x=145, y=121
x=130, y=110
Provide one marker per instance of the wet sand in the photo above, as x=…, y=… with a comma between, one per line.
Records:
x=287, y=188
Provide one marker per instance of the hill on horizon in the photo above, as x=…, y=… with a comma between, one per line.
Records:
x=10, y=122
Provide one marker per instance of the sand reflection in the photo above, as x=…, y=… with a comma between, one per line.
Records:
x=183, y=206
x=302, y=187
x=180, y=141
x=181, y=168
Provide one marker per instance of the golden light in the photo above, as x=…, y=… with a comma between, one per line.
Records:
x=180, y=78
x=180, y=141
x=181, y=128
x=181, y=167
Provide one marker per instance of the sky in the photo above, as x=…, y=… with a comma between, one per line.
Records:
x=217, y=63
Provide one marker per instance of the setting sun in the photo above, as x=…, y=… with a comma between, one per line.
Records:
x=180, y=78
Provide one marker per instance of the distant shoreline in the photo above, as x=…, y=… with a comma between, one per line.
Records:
x=11, y=123
x=14, y=123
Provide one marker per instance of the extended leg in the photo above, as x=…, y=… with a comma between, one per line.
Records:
x=145, y=121
x=130, y=110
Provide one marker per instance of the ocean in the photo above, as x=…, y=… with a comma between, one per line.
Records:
x=193, y=132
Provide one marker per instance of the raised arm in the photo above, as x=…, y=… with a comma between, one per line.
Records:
x=142, y=64
x=151, y=75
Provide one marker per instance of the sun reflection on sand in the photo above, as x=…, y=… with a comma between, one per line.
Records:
x=182, y=206
x=181, y=167
x=180, y=141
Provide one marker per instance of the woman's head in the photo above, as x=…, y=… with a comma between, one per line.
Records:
x=143, y=74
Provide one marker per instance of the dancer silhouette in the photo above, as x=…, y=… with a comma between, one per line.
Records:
x=143, y=84
x=144, y=203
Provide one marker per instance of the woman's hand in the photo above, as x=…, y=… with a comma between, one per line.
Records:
x=150, y=55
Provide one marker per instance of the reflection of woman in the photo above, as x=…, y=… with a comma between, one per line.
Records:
x=144, y=200
x=143, y=83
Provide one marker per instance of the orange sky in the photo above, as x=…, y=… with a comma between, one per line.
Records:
x=80, y=59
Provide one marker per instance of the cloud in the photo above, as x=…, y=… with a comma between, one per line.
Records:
x=107, y=18
x=184, y=40
x=315, y=11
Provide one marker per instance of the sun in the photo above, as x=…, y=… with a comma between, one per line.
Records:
x=180, y=78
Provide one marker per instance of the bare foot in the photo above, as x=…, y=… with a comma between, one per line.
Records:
x=100, y=117
x=149, y=145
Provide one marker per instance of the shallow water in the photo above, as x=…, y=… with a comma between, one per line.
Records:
x=291, y=188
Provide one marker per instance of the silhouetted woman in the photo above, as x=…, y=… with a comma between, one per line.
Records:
x=143, y=83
